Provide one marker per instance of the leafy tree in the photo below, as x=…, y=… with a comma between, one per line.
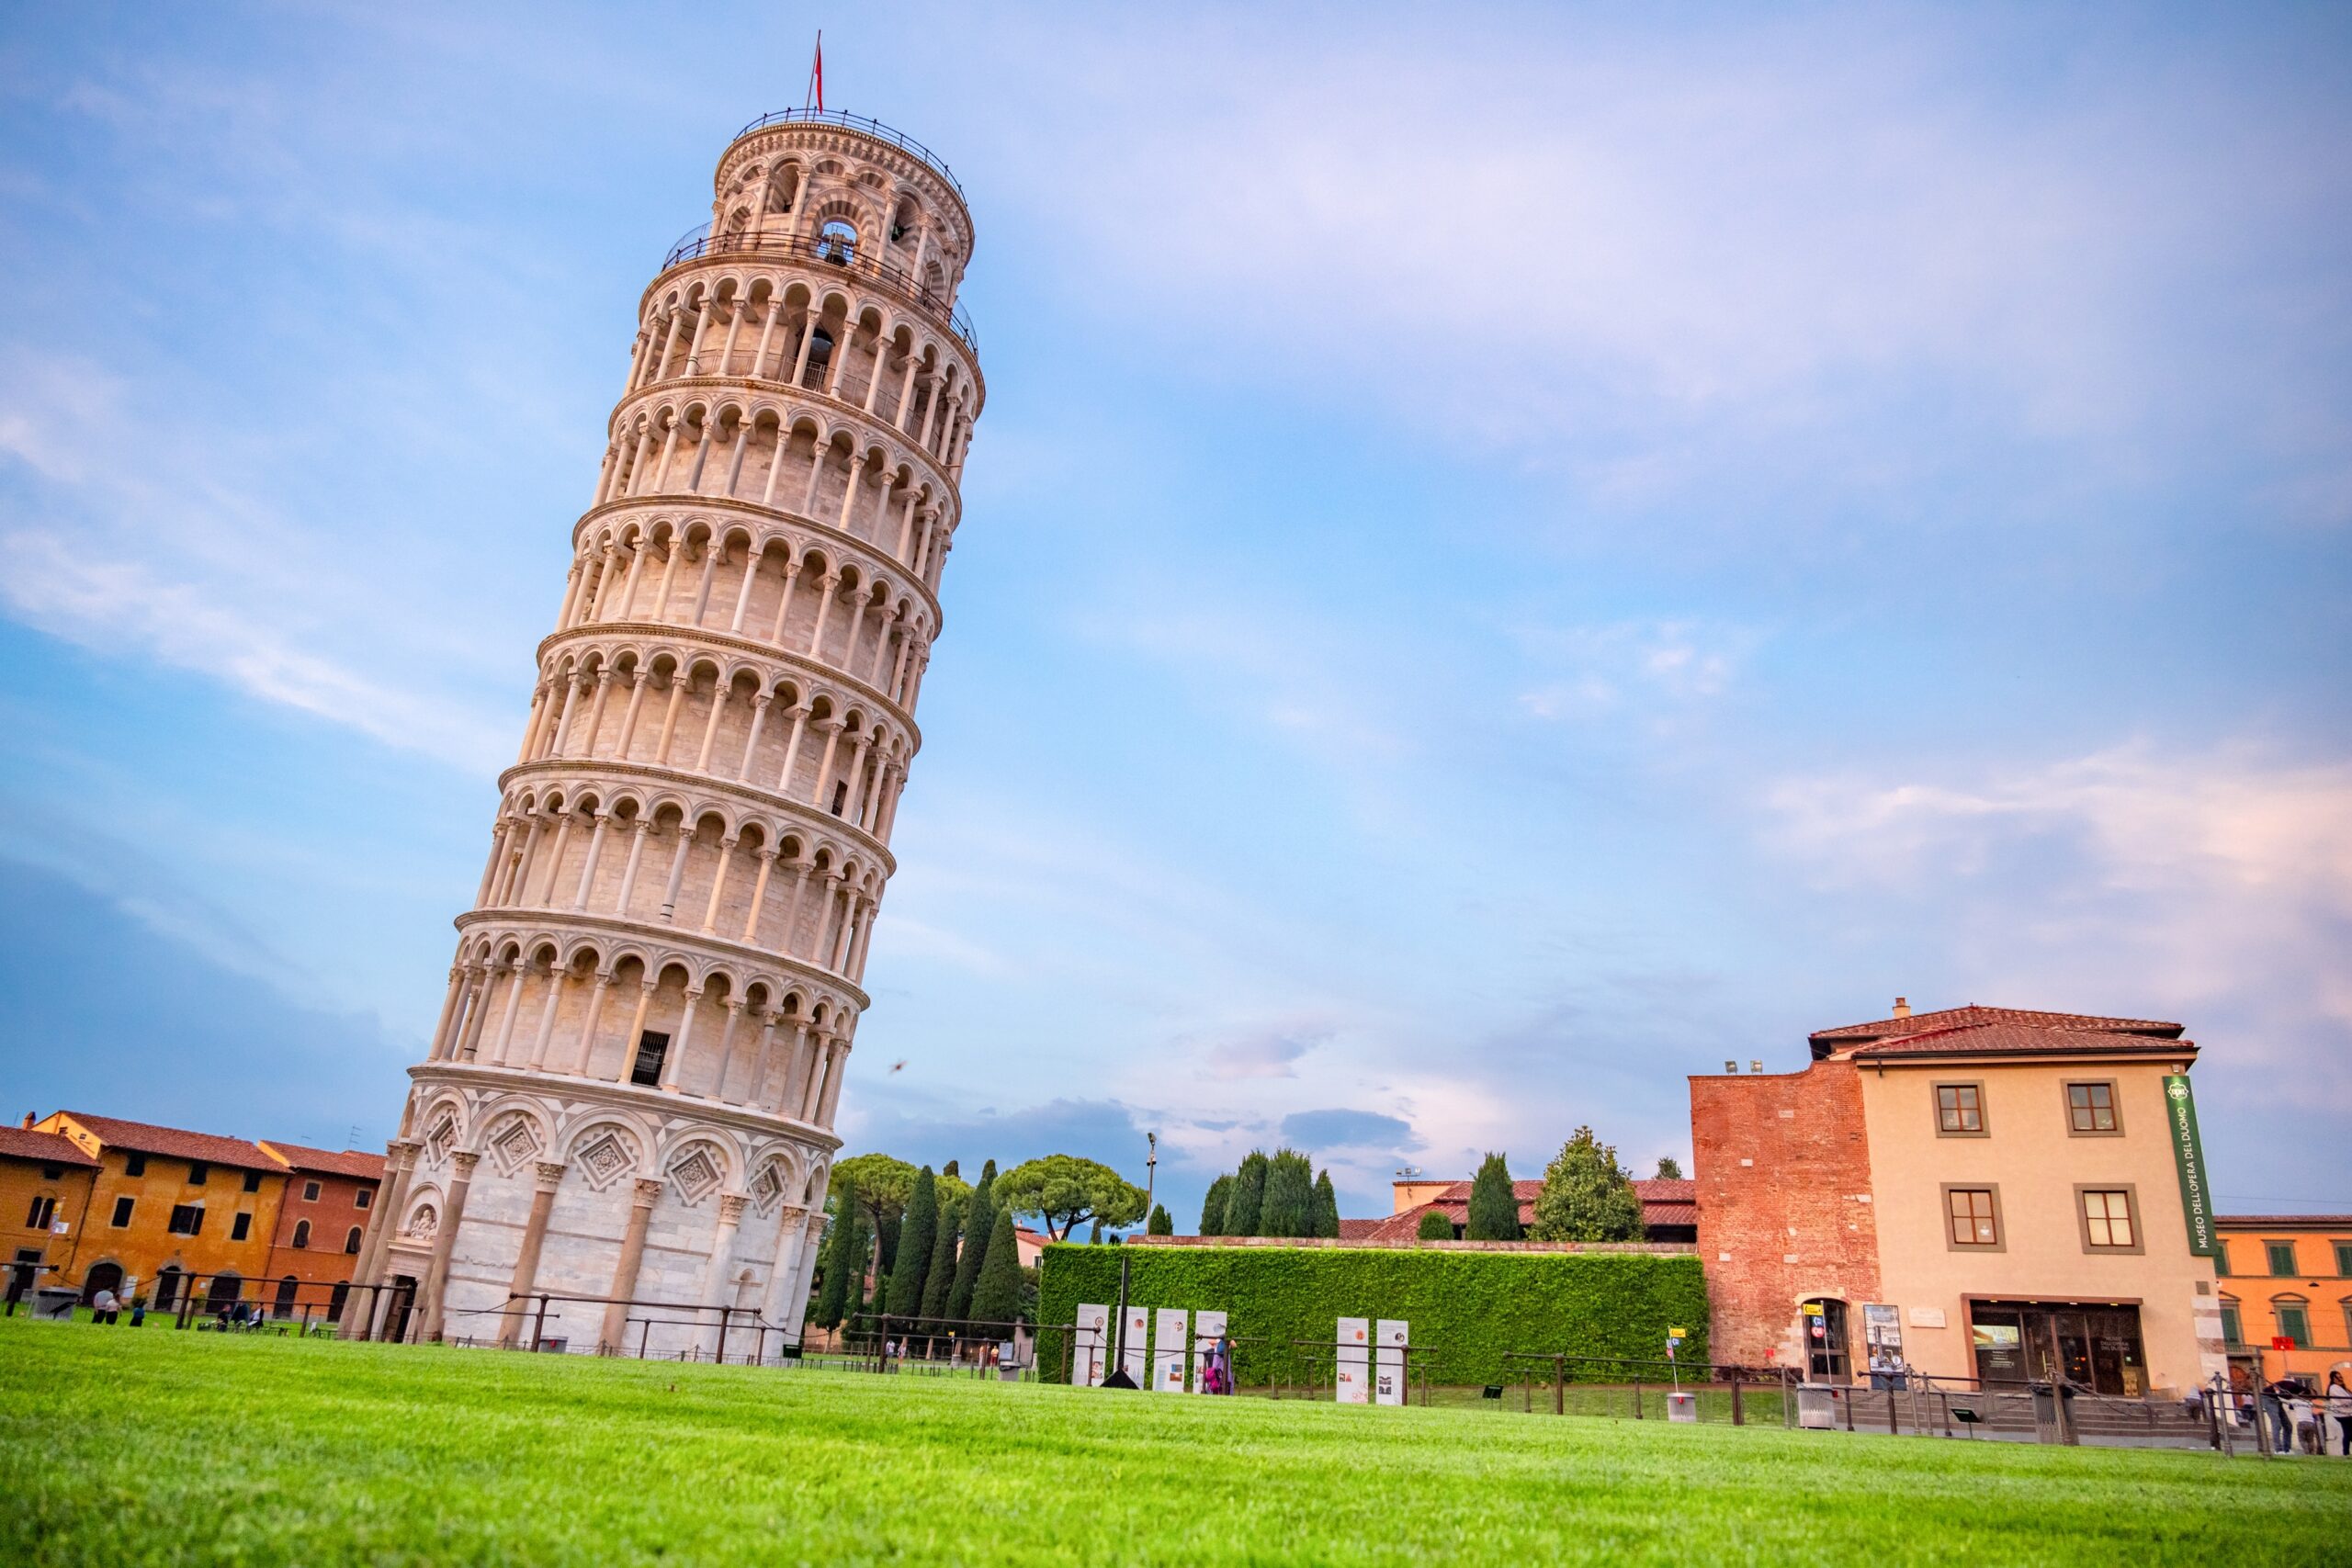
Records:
x=1587, y=1195
x=1248, y=1199
x=1494, y=1210
x=1435, y=1227
x=919, y=1234
x=1213, y=1206
x=1159, y=1224
x=978, y=1225
x=884, y=1185
x=1289, y=1205
x=1066, y=1191
x=996, y=1296
x=1668, y=1168
x=845, y=1256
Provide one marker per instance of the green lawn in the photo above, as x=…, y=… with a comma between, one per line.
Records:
x=120, y=1448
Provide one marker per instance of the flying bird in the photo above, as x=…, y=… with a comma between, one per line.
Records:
x=899, y=1066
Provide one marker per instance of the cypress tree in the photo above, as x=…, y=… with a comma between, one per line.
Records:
x=1288, y=1208
x=977, y=1228
x=940, y=1278
x=917, y=1235
x=1327, y=1207
x=843, y=1254
x=996, y=1295
x=1213, y=1206
x=1668, y=1168
x=1159, y=1224
x=1249, y=1196
x=1494, y=1211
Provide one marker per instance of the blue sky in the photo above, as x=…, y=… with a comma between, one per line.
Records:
x=1512, y=555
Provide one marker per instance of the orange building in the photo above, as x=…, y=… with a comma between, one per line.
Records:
x=166, y=1204
x=2286, y=1277
x=45, y=1184
x=322, y=1223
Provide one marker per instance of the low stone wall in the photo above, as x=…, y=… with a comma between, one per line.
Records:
x=1638, y=1248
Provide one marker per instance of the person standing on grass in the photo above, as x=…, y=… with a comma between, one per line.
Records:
x=2340, y=1407
x=104, y=1306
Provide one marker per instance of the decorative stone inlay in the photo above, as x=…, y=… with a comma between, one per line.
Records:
x=515, y=1140
x=767, y=1187
x=438, y=1141
x=697, y=1173
x=605, y=1161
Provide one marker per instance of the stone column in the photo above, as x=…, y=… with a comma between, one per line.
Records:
x=526, y=1261
x=445, y=1243
x=588, y=1025
x=716, y=1284
x=383, y=1217
x=616, y=1311
x=789, y=1224
x=794, y=1308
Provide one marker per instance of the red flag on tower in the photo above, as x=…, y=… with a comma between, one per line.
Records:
x=816, y=96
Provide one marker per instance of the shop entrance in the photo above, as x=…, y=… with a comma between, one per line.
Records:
x=2093, y=1345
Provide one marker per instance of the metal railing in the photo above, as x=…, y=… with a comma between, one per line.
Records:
x=859, y=123
x=700, y=243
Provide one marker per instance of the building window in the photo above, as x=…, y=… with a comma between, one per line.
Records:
x=43, y=1210
x=351, y=1239
x=240, y=1227
x=301, y=1234
x=2091, y=1108
x=252, y=1181
x=2293, y=1316
x=310, y=1191
x=2221, y=1256
x=188, y=1219
x=1959, y=1110
x=122, y=1207
x=2343, y=1260
x=52, y=1173
x=134, y=1165
x=651, y=1046
x=2232, y=1327
x=363, y=1197
x=2282, y=1259
x=2108, y=1222
x=1973, y=1216
x=199, y=1173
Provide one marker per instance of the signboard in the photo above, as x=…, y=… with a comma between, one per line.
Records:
x=1388, y=1361
x=2189, y=1158
x=1208, y=1327
x=1131, y=1345
x=1349, y=1384
x=1086, y=1361
x=1883, y=1333
x=2281, y=1342
x=1168, y=1351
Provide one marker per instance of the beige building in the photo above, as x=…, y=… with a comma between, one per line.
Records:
x=629, y=1097
x=1982, y=1193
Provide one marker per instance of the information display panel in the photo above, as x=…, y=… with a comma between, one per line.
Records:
x=1351, y=1385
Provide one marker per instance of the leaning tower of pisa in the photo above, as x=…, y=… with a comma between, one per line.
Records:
x=629, y=1097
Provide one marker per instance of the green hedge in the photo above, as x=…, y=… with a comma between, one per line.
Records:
x=1466, y=1308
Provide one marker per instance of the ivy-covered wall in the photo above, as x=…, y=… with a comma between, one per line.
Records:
x=1466, y=1308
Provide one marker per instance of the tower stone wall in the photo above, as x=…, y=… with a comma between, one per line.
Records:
x=632, y=1089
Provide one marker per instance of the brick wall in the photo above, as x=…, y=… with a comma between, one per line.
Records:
x=1783, y=1172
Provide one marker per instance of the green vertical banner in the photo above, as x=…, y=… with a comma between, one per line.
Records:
x=2188, y=1158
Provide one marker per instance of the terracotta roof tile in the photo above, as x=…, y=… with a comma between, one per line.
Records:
x=2004, y=1038
x=2284, y=1222
x=48, y=1148
x=1973, y=1015
x=356, y=1163
x=175, y=1141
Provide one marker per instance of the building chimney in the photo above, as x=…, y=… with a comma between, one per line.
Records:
x=1902, y=1006
x=28, y=1121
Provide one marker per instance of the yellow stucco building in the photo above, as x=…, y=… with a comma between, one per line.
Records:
x=2288, y=1278
x=170, y=1209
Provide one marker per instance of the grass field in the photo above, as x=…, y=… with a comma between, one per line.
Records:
x=120, y=1448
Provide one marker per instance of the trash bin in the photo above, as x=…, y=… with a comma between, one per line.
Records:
x=2052, y=1421
x=1816, y=1408
x=55, y=1303
x=555, y=1345
x=1682, y=1407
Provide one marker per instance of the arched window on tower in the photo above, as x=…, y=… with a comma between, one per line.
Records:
x=837, y=242
x=821, y=354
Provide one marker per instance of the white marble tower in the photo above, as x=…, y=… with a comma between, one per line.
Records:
x=631, y=1092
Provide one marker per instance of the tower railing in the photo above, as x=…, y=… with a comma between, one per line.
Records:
x=874, y=128
x=832, y=252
